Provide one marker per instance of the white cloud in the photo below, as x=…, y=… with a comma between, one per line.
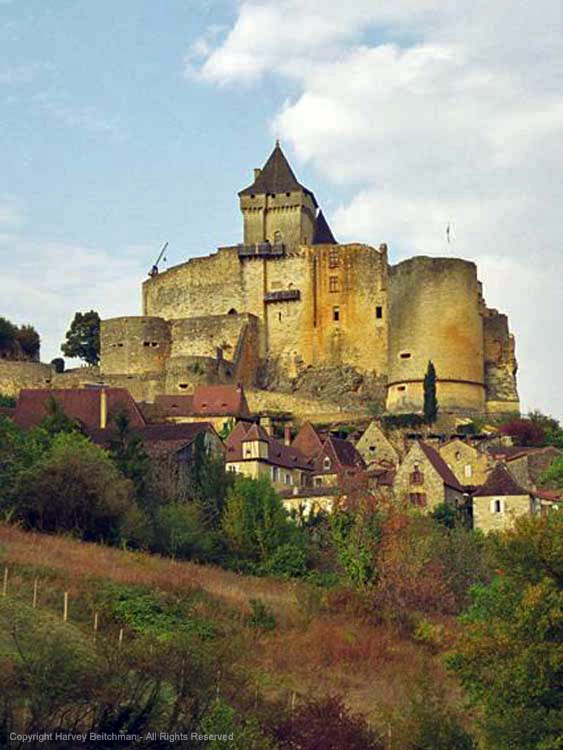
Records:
x=55, y=280
x=430, y=112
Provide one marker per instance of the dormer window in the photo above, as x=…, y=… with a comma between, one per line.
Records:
x=327, y=463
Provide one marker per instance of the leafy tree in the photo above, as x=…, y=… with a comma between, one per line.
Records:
x=444, y=514
x=59, y=364
x=430, y=400
x=524, y=432
x=74, y=487
x=553, y=476
x=553, y=432
x=8, y=401
x=83, y=338
x=356, y=534
x=128, y=453
x=326, y=723
x=509, y=658
x=57, y=420
x=179, y=532
x=209, y=483
x=29, y=341
x=255, y=522
x=7, y=338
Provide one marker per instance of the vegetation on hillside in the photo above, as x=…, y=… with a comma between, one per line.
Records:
x=18, y=342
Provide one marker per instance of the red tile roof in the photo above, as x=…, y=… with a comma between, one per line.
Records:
x=500, y=482
x=174, y=406
x=82, y=404
x=307, y=441
x=206, y=401
x=441, y=466
x=158, y=439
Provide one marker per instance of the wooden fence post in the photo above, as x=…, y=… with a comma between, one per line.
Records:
x=5, y=584
x=65, y=607
x=95, y=625
x=120, y=637
x=35, y=583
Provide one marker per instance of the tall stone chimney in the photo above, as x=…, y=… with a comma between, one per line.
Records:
x=287, y=434
x=103, y=409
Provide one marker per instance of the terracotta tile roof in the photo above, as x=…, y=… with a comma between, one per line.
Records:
x=174, y=406
x=308, y=441
x=82, y=404
x=323, y=234
x=441, y=466
x=345, y=453
x=278, y=453
x=500, y=482
x=220, y=400
x=276, y=177
x=157, y=439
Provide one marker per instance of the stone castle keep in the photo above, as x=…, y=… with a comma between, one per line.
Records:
x=290, y=297
x=291, y=301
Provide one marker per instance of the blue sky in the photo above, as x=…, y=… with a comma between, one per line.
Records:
x=125, y=125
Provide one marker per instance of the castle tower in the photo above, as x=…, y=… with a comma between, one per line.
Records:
x=435, y=314
x=276, y=208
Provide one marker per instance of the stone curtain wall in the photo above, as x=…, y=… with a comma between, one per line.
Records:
x=17, y=375
x=500, y=364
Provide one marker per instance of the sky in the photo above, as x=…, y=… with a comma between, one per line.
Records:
x=126, y=125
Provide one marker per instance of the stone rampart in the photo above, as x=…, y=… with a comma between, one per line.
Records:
x=135, y=345
x=17, y=375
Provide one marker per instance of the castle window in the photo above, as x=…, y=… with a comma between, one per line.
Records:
x=154, y=344
x=288, y=194
x=405, y=355
x=277, y=237
x=232, y=311
x=378, y=312
x=457, y=455
x=333, y=257
x=182, y=385
x=336, y=313
x=418, y=499
x=252, y=195
x=146, y=343
x=401, y=387
x=279, y=317
x=333, y=284
x=120, y=345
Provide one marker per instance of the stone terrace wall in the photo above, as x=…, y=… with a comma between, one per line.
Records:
x=17, y=375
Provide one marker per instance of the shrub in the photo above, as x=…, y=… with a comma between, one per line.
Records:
x=328, y=724
x=262, y=617
x=288, y=561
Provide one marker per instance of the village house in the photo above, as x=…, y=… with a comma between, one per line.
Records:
x=527, y=464
x=424, y=480
x=374, y=445
x=335, y=462
x=221, y=405
x=251, y=451
x=470, y=465
x=92, y=408
x=500, y=500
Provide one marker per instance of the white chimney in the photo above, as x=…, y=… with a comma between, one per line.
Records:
x=103, y=409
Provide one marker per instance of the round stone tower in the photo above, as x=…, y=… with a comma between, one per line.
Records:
x=434, y=314
x=134, y=345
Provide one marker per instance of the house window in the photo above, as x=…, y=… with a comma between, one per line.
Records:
x=401, y=387
x=231, y=468
x=468, y=471
x=417, y=499
x=183, y=386
x=333, y=285
x=405, y=355
x=318, y=482
x=336, y=313
x=275, y=473
x=288, y=478
x=417, y=477
x=327, y=463
x=378, y=312
x=372, y=449
x=497, y=506
x=279, y=317
x=333, y=258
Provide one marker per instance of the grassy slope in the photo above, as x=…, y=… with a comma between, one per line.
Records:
x=311, y=650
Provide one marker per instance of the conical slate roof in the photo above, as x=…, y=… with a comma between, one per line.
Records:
x=276, y=177
x=323, y=234
x=500, y=482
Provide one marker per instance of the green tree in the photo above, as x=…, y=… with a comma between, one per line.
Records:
x=510, y=655
x=74, y=486
x=57, y=420
x=209, y=483
x=7, y=338
x=128, y=453
x=29, y=341
x=553, y=476
x=255, y=522
x=552, y=430
x=430, y=400
x=83, y=338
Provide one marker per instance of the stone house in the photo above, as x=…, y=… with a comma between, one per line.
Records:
x=93, y=408
x=306, y=500
x=500, y=500
x=373, y=445
x=334, y=462
x=527, y=464
x=424, y=480
x=220, y=405
x=470, y=465
x=253, y=452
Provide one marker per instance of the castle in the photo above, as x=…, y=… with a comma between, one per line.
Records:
x=290, y=300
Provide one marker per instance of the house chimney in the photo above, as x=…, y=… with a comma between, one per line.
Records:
x=287, y=435
x=103, y=409
x=266, y=424
x=257, y=171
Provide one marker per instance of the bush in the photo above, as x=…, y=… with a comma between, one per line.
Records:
x=399, y=421
x=178, y=532
x=262, y=617
x=288, y=561
x=74, y=487
x=328, y=724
